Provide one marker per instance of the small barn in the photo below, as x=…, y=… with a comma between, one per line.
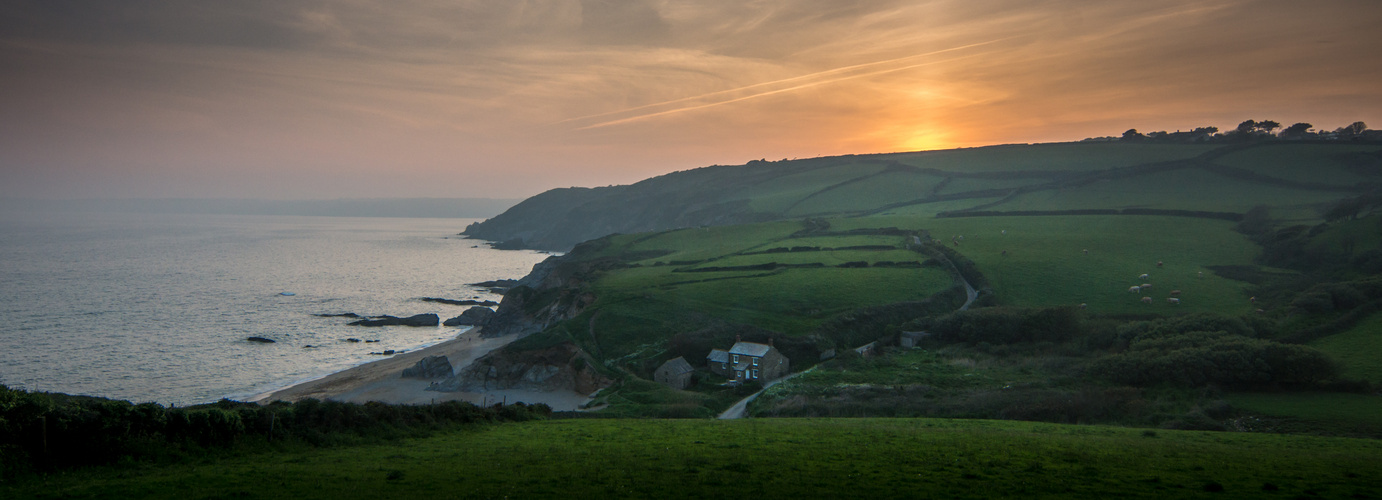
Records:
x=675, y=373
x=911, y=339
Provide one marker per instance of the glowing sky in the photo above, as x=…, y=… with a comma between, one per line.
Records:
x=433, y=98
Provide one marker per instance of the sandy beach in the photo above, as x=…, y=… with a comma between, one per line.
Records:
x=381, y=381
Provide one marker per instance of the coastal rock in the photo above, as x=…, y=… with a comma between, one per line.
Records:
x=428, y=319
x=429, y=368
x=261, y=340
x=342, y=315
x=472, y=316
x=452, y=302
x=561, y=367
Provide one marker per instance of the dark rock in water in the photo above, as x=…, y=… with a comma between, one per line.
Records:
x=371, y=341
x=388, y=352
x=460, y=302
x=261, y=340
x=496, y=284
x=509, y=244
x=472, y=316
x=429, y=368
x=309, y=346
x=342, y=315
x=350, y=340
x=428, y=319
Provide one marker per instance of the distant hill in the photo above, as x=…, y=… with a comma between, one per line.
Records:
x=1298, y=180
x=370, y=207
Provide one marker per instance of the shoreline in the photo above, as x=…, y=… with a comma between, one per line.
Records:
x=381, y=380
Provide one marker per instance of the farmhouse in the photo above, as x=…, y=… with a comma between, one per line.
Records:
x=675, y=373
x=749, y=361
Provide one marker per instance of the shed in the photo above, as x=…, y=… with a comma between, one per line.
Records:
x=910, y=339
x=675, y=373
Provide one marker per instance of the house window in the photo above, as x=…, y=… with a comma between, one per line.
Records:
x=724, y=366
x=755, y=374
x=736, y=358
x=755, y=361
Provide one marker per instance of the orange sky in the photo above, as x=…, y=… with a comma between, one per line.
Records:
x=432, y=98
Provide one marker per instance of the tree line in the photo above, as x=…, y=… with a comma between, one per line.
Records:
x=1250, y=130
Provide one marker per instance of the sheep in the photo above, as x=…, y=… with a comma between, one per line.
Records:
x=1158, y=263
x=1145, y=286
x=1173, y=300
x=1146, y=300
x=1201, y=274
x=1086, y=251
x=1084, y=305
x=1175, y=293
x=1134, y=289
x=1143, y=276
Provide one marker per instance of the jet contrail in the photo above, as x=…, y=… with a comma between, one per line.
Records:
x=770, y=92
x=763, y=94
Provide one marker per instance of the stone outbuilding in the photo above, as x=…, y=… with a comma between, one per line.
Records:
x=675, y=373
x=749, y=362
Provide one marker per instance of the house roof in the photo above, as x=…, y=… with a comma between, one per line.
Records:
x=718, y=356
x=750, y=349
x=676, y=366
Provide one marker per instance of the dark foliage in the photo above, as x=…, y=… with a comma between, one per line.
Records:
x=1006, y=325
x=1198, y=358
x=42, y=432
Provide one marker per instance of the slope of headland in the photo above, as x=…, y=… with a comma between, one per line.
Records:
x=1141, y=177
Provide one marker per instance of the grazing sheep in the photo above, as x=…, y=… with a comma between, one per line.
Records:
x=1173, y=300
x=1158, y=263
x=1005, y=231
x=1201, y=274
x=1146, y=300
x=1175, y=293
x=1146, y=286
x=1143, y=276
x=1134, y=289
x=1086, y=251
x=1083, y=305
x=1252, y=300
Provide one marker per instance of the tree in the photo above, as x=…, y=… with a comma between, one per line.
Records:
x=1247, y=127
x=1268, y=126
x=1132, y=135
x=1357, y=127
x=1296, y=131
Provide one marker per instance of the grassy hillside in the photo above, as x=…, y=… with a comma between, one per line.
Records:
x=768, y=458
x=1297, y=180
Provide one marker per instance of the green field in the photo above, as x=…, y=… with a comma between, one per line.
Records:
x=1050, y=157
x=1357, y=350
x=800, y=458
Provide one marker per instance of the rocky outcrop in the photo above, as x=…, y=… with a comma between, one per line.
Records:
x=560, y=367
x=415, y=320
x=453, y=302
x=261, y=340
x=431, y=367
x=472, y=316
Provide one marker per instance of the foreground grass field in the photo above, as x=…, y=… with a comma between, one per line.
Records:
x=853, y=458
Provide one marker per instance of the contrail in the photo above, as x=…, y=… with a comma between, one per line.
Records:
x=771, y=92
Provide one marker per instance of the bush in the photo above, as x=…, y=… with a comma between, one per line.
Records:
x=43, y=432
x=1003, y=325
x=1199, y=358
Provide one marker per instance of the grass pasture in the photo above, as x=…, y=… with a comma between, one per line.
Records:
x=1185, y=189
x=1068, y=156
x=1358, y=350
x=1335, y=413
x=770, y=458
x=1314, y=163
x=1046, y=265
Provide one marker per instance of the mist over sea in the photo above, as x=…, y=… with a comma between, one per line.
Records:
x=157, y=307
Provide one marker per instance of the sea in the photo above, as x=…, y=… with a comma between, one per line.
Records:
x=158, y=307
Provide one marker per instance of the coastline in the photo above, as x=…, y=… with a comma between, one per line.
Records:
x=381, y=381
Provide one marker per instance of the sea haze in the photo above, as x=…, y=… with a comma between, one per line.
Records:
x=157, y=307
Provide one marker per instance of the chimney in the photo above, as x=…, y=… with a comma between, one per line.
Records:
x=737, y=339
x=770, y=341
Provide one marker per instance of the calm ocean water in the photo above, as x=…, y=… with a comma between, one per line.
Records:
x=157, y=307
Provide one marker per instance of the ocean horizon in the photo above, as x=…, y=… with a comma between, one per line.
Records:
x=158, y=307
